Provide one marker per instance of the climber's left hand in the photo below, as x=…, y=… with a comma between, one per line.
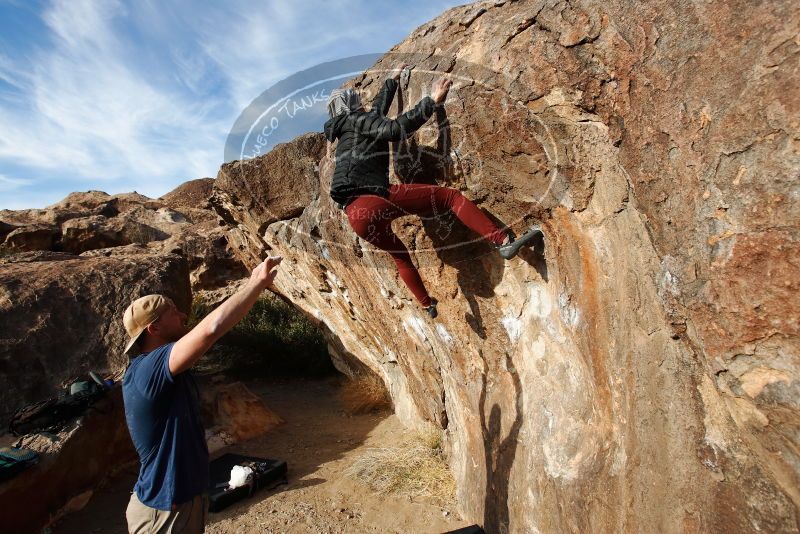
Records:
x=399, y=70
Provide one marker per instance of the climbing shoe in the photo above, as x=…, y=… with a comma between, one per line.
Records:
x=431, y=310
x=510, y=249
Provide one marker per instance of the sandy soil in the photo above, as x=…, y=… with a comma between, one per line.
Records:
x=319, y=441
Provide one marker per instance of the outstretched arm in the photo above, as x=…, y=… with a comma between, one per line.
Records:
x=384, y=129
x=383, y=100
x=193, y=345
x=379, y=127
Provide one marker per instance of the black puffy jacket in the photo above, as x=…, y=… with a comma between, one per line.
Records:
x=362, y=155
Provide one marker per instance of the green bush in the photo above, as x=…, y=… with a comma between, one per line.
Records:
x=273, y=338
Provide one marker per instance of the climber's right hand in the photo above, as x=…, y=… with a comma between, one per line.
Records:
x=440, y=89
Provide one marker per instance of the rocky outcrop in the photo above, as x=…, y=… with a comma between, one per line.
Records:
x=642, y=374
x=276, y=187
x=61, y=316
x=95, y=223
x=232, y=413
x=70, y=466
x=193, y=194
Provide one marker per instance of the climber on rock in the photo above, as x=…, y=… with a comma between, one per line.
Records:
x=360, y=184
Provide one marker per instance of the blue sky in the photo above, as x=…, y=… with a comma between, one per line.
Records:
x=141, y=95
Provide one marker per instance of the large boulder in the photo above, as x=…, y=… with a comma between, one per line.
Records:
x=61, y=317
x=95, y=223
x=643, y=374
x=32, y=237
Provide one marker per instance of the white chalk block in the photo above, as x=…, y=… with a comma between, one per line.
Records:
x=239, y=476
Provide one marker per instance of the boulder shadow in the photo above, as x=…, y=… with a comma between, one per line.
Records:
x=499, y=454
x=478, y=266
x=534, y=255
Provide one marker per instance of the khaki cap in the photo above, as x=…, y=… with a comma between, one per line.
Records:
x=142, y=313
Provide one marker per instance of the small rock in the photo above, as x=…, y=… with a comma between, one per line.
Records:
x=472, y=16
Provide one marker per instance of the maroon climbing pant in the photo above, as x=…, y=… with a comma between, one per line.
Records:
x=371, y=217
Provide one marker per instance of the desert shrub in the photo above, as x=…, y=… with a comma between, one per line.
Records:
x=416, y=468
x=273, y=338
x=364, y=393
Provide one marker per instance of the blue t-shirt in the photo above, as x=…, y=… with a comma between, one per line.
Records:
x=163, y=414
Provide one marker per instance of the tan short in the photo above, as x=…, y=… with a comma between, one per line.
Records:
x=189, y=517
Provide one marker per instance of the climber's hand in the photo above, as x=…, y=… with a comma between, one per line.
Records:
x=399, y=70
x=440, y=89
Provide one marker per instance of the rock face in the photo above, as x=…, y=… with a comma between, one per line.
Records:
x=275, y=187
x=95, y=223
x=640, y=376
x=61, y=317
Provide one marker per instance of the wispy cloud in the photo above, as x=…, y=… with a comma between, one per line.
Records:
x=122, y=96
x=95, y=115
x=9, y=184
x=7, y=73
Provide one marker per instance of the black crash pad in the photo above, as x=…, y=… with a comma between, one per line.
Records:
x=474, y=529
x=272, y=474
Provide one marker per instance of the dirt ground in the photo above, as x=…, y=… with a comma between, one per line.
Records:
x=319, y=441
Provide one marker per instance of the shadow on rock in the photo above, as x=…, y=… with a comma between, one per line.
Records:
x=500, y=453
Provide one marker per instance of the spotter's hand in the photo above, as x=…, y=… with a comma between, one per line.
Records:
x=265, y=272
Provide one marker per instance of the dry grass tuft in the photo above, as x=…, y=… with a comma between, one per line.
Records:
x=364, y=394
x=414, y=469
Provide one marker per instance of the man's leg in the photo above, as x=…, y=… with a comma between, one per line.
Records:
x=189, y=517
x=142, y=519
x=432, y=200
x=371, y=218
